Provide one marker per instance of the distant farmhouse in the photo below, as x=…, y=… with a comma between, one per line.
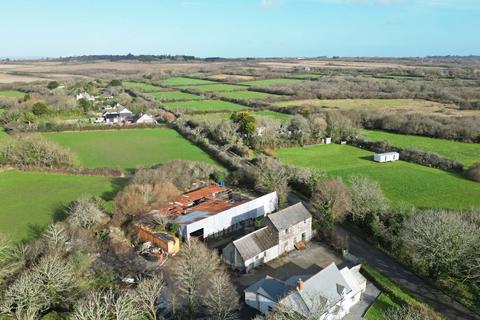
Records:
x=328, y=294
x=85, y=95
x=213, y=211
x=121, y=114
x=284, y=229
x=386, y=157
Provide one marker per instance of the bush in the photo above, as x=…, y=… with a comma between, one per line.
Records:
x=473, y=173
x=39, y=109
x=36, y=151
x=367, y=198
x=115, y=83
x=52, y=85
x=85, y=212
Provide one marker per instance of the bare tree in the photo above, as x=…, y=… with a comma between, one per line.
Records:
x=55, y=237
x=367, y=198
x=85, y=212
x=94, y=307
x=410, y=313
x=270, y=175
x=148, y=292
x=221, y=299
x=12, y=259
x=193, y=269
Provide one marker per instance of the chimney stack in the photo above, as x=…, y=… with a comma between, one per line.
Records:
x=300, y=285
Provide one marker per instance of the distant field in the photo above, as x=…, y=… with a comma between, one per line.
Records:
x=29, y=200
x=128, y=148
x=249, y=95
x=182, y=81
x=226, y=115
x=401, y=181
x=306, y=76
x=359, y=103
x=206, y=105
x=174, y=95
x=269, y=82
x=230, y=77
x=11, y=93
x=218, y=87
x=467, y=153
x=141, y=86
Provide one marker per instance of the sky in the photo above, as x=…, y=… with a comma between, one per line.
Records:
x=240, y=28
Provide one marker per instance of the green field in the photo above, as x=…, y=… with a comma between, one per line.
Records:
x=174, y=95
x=249, y=95
x=401, y=181
x=467, y=153
x=182, y=81
x=306, y=76
x=206, y=105
x=269, y=82
x=128, y=148
x=359, y=103
x=217, y=87
x=141, y=86
x=11, y=93
x=30, y=200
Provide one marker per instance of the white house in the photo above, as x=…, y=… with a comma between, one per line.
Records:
x=144, y=118
x=328, y=294
x=283, y=230
x=85, y=95
x=386, y=157
x=122, y=114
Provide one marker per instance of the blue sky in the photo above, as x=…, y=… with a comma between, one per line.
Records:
x=239, y=28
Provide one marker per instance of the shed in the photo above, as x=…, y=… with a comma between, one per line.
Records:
x=168, y=242
x=386, y=157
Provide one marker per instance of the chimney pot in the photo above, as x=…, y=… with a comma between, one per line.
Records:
x=300, y=285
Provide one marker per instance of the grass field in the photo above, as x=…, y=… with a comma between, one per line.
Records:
x=11, y=93
x=359, y=103
x=306, y=76
x=217, y=87
x=29, y=200
x=467, y=153
x=206, y=105
x=401, y=181
x=128, y=148
x=269, y=82
x=141, y=86
x=174, y=95
x=249, y=95
x=182, y=81
x=229, y=77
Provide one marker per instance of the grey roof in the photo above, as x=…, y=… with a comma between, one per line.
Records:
x=290, y=216
x=271, y=288
x=328, y=285
x=256, y=242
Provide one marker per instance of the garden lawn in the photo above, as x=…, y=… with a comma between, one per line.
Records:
x=269, y=82
x=359, y=103
x=141, y=86
x=174, y=95
x=130, y=148
x=206, y=105
x=249, y=95
x=401, y=181
x=467, y=153
x=182, y=81
x=30, y=200
x=11, y=93
x=218, y=87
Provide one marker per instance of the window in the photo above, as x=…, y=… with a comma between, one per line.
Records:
x=270, y=308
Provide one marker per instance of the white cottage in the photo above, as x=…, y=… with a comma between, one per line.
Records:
x=144, y=118
x=328, y=294
x=386, y=157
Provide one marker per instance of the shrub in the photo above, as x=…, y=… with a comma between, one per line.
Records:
x=34, y=150
x=473, y=173
x=85, y=212
x=39, y=108
x=367, y=198
x=52, y=85
x=115, y=83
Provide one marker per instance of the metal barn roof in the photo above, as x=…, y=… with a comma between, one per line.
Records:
x=290, y=216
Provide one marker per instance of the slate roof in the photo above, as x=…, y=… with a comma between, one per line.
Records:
x=255, y=243
x=290, y=216
x=271, y=288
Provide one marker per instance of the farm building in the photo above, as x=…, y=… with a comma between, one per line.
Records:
x=162, y=239
x=144, y=118
x=213, y=211
x=122, y=114
x=386, y=157
x=328, y=294
x=284, y=229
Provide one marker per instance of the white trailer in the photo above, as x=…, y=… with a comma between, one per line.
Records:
x=386, y=157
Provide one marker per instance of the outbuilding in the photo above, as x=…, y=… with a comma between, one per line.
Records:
x=386, y=157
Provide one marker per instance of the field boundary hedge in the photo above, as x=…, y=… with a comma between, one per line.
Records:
x=424, y=158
